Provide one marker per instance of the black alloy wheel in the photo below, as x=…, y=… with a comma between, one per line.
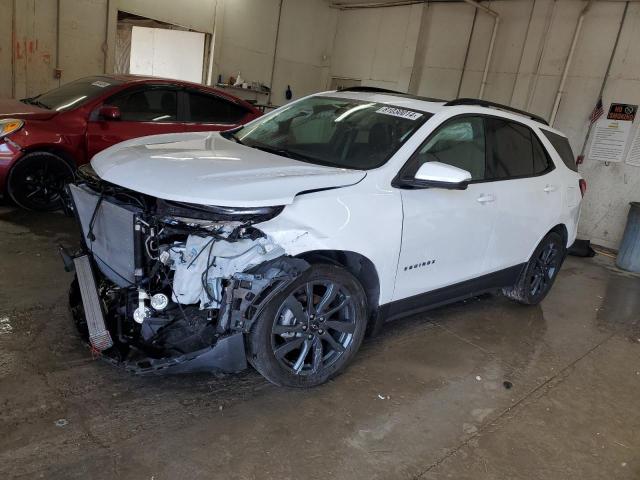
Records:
x=314, y=327
x=540, y=272
x=36, y=181
x=544, y=269
x=310, y=331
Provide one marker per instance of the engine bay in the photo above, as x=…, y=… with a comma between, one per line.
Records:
x=174, y=279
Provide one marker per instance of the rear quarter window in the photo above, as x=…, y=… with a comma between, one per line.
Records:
x=561, y=144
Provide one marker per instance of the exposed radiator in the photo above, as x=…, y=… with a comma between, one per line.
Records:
x=107, y=229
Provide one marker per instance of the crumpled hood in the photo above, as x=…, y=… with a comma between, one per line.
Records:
x=207, y=169
x=16, y=109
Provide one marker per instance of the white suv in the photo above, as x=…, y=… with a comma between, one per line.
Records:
x=283, y=241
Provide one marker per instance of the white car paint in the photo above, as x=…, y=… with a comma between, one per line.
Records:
x=439, y=172
x=467, y=232
x=206, y=168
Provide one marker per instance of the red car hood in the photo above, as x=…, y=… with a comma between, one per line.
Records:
x=16, y=109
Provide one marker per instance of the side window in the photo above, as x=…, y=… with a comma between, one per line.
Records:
x=541, y=161
x=561, y=144
x=460, y=143
x=147, y=105
x=511, y=149
x=205, y=108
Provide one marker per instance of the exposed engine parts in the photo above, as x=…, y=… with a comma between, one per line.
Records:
x=202, y=263
x=175, y=284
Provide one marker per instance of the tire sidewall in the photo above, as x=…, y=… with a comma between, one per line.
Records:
x=260, y=353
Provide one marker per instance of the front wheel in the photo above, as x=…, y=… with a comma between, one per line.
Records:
x=36, y=181
x=311, y=330
x=540, y=272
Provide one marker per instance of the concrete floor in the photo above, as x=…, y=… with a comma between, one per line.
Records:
x=426, y=399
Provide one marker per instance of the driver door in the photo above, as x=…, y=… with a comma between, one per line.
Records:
x=446, y=233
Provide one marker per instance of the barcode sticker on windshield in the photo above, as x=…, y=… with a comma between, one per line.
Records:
x=100, y=83
x=399, y=112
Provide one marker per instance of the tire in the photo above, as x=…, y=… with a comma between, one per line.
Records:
x=37, y=180
x=292, y=344
x=540, y=272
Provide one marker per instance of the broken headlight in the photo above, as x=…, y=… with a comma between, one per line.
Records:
x=215, y=213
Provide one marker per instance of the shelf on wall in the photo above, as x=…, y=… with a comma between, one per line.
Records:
x=232, y=87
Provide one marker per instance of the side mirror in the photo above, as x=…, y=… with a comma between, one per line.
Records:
x=441, y=175
x=109, y=112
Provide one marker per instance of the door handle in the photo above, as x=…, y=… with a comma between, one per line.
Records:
x=550, y=188
x=486, y=198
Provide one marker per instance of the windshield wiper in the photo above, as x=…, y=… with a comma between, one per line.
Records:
x=283, y=152
x=276, y=151
x=235, y=139
x=38, y=103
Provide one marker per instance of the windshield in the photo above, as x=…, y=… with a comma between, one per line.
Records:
x=337, y=132
x=73, y=94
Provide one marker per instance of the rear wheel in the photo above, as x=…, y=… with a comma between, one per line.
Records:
x=311, y=330
x=36, y=181
x=538, y=276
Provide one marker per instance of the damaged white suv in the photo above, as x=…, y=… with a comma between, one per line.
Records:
x=283, y=241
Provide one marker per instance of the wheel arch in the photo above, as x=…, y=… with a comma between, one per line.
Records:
x=560, y=229
x=52, y=149
x=355, y=263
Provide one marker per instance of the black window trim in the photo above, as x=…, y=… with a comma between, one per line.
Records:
x=399, y=181
x=187, y=107
x=145, y=86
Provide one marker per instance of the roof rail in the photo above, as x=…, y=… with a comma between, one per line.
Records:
x=364, y=88
x=485, y=103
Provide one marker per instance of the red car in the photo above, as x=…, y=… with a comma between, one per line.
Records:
x=44, y=138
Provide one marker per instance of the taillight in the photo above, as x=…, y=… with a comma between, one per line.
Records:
x=583, y=186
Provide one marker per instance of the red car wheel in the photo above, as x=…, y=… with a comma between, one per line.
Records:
x=36, y=182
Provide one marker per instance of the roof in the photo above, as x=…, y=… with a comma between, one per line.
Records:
x=397, y=100
x=431, y=105
x=133, y=79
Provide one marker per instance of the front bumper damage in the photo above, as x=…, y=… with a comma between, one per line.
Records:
x=166, y=288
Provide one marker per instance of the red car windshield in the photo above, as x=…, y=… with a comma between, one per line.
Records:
x=73, y=94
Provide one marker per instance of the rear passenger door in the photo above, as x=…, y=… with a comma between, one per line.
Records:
x=205, y=111
x=528, y=197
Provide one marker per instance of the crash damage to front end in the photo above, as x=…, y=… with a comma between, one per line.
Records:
x=164, y=286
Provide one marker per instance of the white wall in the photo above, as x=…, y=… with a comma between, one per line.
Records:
x=612, y=187
x=531, y=48
x=192, y=14
x=28, y=54
x=305, y=46
x=377, y=45
x=167, y=53
x=245, y=42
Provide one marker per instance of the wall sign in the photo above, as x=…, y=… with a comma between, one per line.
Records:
x=611, y=134
x=633, y=157
x=622, y=111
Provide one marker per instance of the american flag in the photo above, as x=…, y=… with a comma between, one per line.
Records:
x=598, y=110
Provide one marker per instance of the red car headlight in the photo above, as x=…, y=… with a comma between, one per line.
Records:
x=9, y=125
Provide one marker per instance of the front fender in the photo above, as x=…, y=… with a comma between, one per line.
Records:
x=347, y=219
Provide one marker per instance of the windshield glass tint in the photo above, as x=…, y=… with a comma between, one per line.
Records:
x=334, y=131
x=73, y=94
